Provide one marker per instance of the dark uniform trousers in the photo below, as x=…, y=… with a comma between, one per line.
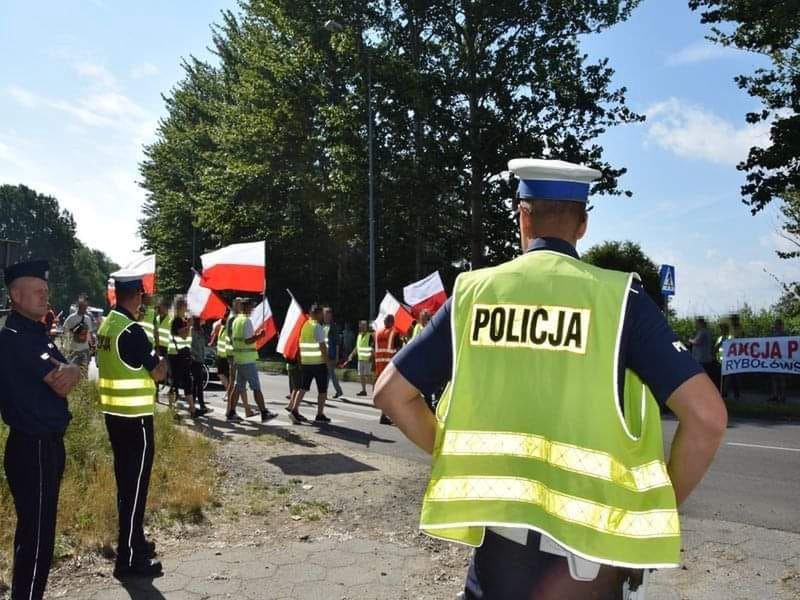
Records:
x=134, y=448
x=34, y=466
x=504, y=570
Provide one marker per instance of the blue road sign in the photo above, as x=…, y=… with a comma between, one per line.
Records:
x=667, y=276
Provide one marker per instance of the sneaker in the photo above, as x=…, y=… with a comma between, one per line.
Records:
x=233, y=418
x=338, y=395
x=385, y=420
x=295, y=417
x=298, y=415
x=321, y=419
x=267, y=415
x=147, y=569
x=361, y=394
x=201, y=411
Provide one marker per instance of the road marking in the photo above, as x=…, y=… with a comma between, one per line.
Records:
x=763, y=447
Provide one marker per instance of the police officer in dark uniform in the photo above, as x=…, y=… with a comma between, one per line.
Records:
x=128, y=371
x=34, y=382
x=515, y=560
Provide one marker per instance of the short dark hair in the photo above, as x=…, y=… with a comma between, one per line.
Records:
x=557, y=211
x=388, y=321
x=315, y=308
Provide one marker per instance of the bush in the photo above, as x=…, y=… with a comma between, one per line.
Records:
x=180, y=487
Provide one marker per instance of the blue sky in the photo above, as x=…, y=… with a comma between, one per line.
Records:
x=81, y=85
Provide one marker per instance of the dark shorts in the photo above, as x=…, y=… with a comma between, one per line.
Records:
x=318, y=373
x=223, y=367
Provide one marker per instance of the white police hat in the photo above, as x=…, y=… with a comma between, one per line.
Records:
x=127, y=281
x=542, y=179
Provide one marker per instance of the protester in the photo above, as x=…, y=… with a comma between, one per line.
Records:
x=334, y=347
x=364, y=352
x=80, y=334
x=719, y=356
x=313, y=353
x=179, y=352
x=198, y=370
x=219, y=339
x=733, y=382
x=701, y=346
x=35, y=379
x=245, y=356
x=778, y=380
x=387, y=343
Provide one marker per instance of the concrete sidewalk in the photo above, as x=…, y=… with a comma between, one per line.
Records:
x=352, y=569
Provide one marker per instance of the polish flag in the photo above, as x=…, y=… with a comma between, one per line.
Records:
x=289, y=341
x=402, y=318
x=204, y=303
x=111, y=293
x=262, y=320
x=237, y=267
x=144, y=267
x=426, y=294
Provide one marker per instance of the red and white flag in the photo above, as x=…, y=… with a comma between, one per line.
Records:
x=289, y=341
x=403, y=319
x=204, y=303
x=144, y=267
x=262, y=320
x=237, y=267
x=426, y=294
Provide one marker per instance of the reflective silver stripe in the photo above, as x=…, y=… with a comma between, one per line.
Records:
x=38, y=526
x=136, y=497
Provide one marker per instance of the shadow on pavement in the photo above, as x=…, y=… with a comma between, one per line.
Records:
x=142, y=589
x=319, y=464
x=219, y=429
x=351, y=435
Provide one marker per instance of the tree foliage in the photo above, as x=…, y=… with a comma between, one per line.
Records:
x=270, y=142
x=630, y=258
x=773, y=30
x=48, y=231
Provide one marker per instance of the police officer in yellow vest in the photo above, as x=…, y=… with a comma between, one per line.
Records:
x=547, y=446
x=129, y=369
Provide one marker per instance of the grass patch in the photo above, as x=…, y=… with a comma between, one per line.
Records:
x=180, y=486
x=310, y=510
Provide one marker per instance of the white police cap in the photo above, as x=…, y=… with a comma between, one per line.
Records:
x=552, y=179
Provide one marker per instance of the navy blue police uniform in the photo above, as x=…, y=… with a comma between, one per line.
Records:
x=502, y=568
x=133, y=446
x=34, y=454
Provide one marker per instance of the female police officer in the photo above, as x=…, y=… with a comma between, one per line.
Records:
x=34, y=382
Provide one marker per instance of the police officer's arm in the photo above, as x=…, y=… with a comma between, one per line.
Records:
x=159, y=373
x=62, y=377
x=404, y=405
x=135, y=350
x=702, y=422
x=654, y=352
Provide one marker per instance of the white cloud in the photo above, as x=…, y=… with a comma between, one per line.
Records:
x=22, y=96
x=702, y=51
x=144, y=70
x=97, y=73
x=691, y=131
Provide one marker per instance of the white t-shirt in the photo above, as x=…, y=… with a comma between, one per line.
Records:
x=72, y=322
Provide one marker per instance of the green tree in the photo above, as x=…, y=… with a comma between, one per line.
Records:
x=48, y=231
x=629, y=257
x=771, y=29
x=270, y=143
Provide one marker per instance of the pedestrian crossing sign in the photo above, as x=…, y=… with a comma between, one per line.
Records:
x=667, y=276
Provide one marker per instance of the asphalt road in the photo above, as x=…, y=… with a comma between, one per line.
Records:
x=755, y=478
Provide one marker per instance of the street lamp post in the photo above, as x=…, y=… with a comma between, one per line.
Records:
x=335, y=27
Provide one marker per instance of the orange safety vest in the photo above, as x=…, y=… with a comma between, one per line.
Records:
x=384, y=349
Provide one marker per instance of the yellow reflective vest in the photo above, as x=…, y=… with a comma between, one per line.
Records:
x=531, y=430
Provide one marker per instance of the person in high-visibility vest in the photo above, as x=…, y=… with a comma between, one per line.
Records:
x=364, y=351
x=547, y=446
x=387, y=343
x=724, y=336
x=245, y=356
x=219, y=339
x=128, y=371
x=179, y=353
x=147, y=318
x=424, y=319
x=162, y=324
x=313, y=361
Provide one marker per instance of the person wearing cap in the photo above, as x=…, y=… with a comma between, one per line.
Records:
x=547, y=446
x=129, y=368
x=363, y=350
x=35, y=379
